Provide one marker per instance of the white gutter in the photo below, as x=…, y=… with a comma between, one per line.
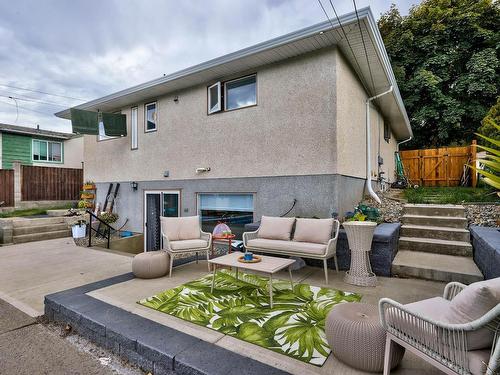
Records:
x=400, y=143
x=369, y=146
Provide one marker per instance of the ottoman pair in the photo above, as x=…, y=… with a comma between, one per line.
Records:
x=150, y=264
x=357, y=338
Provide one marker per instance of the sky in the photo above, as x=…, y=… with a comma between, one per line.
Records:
x=81, y=50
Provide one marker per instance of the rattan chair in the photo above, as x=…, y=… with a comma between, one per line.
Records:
x=442, y=345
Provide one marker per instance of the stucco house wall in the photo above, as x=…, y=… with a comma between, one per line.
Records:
x=291, y=130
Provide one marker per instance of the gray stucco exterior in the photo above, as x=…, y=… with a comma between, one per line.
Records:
x=317, y=195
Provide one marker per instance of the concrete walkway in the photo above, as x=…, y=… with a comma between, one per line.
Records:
x=30, y=271
x=28, y=347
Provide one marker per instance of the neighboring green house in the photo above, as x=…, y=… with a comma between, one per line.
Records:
x=39, y=147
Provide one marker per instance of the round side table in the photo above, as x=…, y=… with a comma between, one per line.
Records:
x=229, y=239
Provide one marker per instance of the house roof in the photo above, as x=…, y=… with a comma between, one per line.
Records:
x=375, y=74
x=15, y=129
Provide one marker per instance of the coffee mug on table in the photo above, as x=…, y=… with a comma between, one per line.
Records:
x=248, y=256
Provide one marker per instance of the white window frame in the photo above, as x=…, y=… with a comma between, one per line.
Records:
x=134, y=128
x=239, y=79
x=218, y=107
x=47, y=150
x=146, y=117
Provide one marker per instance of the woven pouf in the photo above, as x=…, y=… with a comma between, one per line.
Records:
x=357, y=338
x=150, y=264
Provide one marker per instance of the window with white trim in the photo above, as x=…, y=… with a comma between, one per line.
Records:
x=238, y=93
x=151, y=117
x=47, y=151
x=133, y=129
x=235, y=210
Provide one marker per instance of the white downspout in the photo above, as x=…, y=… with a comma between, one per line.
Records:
x=400, y=143
x=369, y=146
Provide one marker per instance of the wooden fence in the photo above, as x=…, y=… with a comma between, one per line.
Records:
x=445, y=166
x=50, y=183
x=6, y=187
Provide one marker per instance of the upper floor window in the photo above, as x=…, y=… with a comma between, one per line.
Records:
x=49, y=151
x=133, y=128
x=238, y=93
x=151, y=120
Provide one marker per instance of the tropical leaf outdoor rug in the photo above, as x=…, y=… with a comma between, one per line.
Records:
x=240, y=308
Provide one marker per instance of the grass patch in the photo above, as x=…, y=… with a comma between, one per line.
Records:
x=32, y=211
x=451, y=195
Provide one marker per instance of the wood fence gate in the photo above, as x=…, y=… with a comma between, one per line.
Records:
x=50, y=183
x=6, y=187
x=443, y=166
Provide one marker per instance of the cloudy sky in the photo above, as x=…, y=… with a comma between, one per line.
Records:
x=84, y=49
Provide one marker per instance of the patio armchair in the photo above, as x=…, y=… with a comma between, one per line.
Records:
x=183, y=235
x=457, y=333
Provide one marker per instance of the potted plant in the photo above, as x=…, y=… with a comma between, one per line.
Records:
x=109, y=217
x=83, y=204
x=89, y=185
x=86, y=195
x=359, y=232
x=78, y=228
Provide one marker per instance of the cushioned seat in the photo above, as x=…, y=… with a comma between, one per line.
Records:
x=288, y=246
x=150, y=264
x=478, y=360
x=188, y=244
x=433, y=308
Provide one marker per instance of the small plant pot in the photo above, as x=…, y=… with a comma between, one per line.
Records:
x=88, y=187
x=87, y=196
x=79, y=231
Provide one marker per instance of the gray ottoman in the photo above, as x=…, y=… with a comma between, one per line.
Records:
x=151, y=264
x=357, y=338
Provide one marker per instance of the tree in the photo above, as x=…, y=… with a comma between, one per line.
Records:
x=445, y=56
x=491, y=123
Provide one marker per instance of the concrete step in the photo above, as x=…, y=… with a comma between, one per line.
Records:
x=18, y=231
x=443, y=233
x=435, y=210
x=438, y=267
x=41, y=236
x=37, y=221
x=437, y=246
x=435, y=221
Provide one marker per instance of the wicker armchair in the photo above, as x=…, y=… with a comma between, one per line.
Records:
x=196, y=242
x=441, y=344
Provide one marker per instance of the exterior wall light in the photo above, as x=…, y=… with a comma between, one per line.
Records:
x=134, y=185
x=201, y=170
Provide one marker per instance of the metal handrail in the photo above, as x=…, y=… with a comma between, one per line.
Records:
x=107, y=231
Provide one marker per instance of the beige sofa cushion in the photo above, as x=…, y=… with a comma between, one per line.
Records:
x=188, y=244
x=181, y=228
x=276, y=228
x=478, y=361
x=313, y=230
x=287, y=246
x=471, y=303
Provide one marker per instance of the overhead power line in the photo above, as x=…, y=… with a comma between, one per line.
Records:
x=27, y=109
x=31, y=100
x=364, y=46
x=42, y=92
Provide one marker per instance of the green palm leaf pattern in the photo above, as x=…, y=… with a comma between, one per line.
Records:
x=239, y=307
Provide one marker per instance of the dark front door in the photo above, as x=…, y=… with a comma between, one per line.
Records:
x=158, y=204
x=153, y=222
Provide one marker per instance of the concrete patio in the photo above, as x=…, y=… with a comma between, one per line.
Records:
x=125, y=295
x=32, y=270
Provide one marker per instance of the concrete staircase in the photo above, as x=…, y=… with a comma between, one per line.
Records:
x=39, y=229
x=434, y=244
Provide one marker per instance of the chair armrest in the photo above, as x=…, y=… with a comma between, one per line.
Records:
x=336, y=224
x=205, y=236
x=166, y=242
x=331, y=247
x=452, y=289
x=247, y=236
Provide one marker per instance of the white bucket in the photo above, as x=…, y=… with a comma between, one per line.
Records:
x=78, y=230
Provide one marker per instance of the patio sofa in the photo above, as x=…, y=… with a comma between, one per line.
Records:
x=312, y=238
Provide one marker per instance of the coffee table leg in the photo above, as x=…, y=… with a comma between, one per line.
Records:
x=213, y=279
x=290, y=273
x=271, y=290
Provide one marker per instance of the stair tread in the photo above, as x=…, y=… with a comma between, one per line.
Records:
x=433, y=227
x=439, y=262
x=435, y=241
x=42, y=233
x=460, y=218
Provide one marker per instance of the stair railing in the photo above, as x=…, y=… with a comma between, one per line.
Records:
x=107, y=230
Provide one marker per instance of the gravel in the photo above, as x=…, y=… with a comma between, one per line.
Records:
x=485, y=215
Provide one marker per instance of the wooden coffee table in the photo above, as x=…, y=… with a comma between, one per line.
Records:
x=268, y=265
